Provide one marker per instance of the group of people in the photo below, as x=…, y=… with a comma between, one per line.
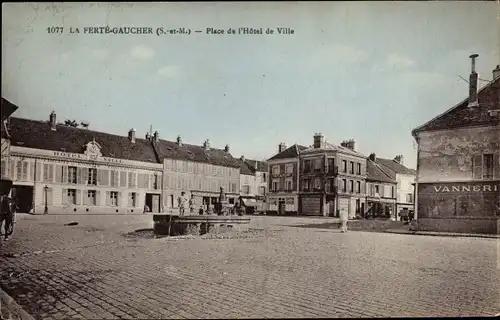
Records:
x=7, y=215
x=184, y=203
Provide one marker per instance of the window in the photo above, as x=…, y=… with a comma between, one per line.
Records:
x=351, y=186
x=91, y=197
x=25, y=170
x=289, y=185
x=275, y=185
x=330, y=185
x=262, y=190
x=48, y=172
x=263, y=177
x=358, y=186
x=132, y=199
x=155, y=182
x=71, y=196
x=358, y=206
x=331, y=165
x=246, y=189
x=351, y=167
x=289, y=168
x=344, y=185
x=317, y=183
x=488, y=166
x=19, y=167
x=71, y=174
x=92, y=178
x=392, y=192
x=317, y=164
x=377, y=189
x=409, y=198
x=131, y=179
x=276, y=170
x=114, y=178
x=307, y=185
x=358, y=168
x=233, y=185
x=344, y=165
x=113, y=196
x=307, y=166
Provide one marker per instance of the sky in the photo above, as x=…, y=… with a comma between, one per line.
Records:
x=368, y=71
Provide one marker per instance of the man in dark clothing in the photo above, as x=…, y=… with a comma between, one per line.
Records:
x=7, y=215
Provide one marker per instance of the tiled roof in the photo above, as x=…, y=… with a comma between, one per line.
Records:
x=38, y=135
x=394, y=166
x=171, y=150
x=463, y=116
x=332, y=147
x=8, y=108
x=245, y=168
x=291, y=152
x=375, y=173
x=257, y=166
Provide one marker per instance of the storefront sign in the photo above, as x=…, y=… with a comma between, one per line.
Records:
x=85, y=157
x=282, y=175
x=466, y=187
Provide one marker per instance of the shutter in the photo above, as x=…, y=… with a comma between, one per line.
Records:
x=13, y=171
x=32, y=171
x=98, y=198
x=108, y=198
x=123, y=179
x=51, y=173
x=78, y=196
x=50, y=197
x=38, y=171
x=78, y=175
x=85, y=175
x=105, y=177
x=129, y=200
x=65, y=174
x=496, y=165
x=59, y=173
x=372, y=190
x=25, y=171
x=64, y=196
x=477, y=166
x=85, y=199
x=121, y=202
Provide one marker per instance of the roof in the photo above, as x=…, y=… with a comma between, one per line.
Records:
x=463, y=116
x=395, y=167
x=291, y=152
x=332, y=147
x=8, y=108
x=38, y=135
x=189, y=152
x=257, y=166
x=374, y=172
x=245, y=168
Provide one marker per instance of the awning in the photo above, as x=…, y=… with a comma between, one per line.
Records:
x=8, y=109
x=250, y=203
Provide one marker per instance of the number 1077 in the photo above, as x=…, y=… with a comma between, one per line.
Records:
x=55, y=30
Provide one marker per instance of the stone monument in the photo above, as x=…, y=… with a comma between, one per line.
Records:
x=223, y=205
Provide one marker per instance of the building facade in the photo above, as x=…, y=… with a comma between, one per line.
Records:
x=59, y=169
x=405, y=178
x=8, y=109
x=332, y=179
x=283, y=194
x=253, y=184
x=198, y=170
x=381, y=195
x=458, y=164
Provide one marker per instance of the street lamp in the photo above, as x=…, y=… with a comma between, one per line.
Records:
x=46, y=189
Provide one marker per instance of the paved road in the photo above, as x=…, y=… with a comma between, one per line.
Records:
x=93, y=270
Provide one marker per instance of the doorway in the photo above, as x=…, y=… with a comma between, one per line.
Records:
x=23, y=197
x=281, y=207
x=153, y=202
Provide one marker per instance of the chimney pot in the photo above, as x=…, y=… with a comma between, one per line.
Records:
x=131, y=135
x=473, y=82
x=156, y=136
x=206, y=144
x=373, y=157
x=226, y=148
x=179, y=140
x=319, y=140
x=281, y=147
x=242, y=158
x=52, y=121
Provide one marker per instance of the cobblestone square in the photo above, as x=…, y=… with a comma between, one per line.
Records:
x=101, y=269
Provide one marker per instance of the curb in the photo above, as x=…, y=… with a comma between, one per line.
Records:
x=11, y=304
x=453, y=235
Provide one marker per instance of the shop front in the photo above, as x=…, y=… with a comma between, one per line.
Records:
x=472, y=207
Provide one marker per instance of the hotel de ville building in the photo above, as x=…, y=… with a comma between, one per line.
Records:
x=58, y=168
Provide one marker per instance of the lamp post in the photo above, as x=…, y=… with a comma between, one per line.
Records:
x=46, y=189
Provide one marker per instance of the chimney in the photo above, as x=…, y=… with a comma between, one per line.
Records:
x=319, y=141
x=52, y=121
x=373, y=157
x=131, y=135
x=348, y=144
x=156, y=136
x=496, y=72
x=473, y=82
x=206, y=144
x=281, y=147
x=179, y=140
x=226, y=148
x=399, y=159
x=242, y=158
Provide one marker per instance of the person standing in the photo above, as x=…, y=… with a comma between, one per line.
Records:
x=192, y=204
x=344, y=216
x=7, y=215
x=182, y=202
